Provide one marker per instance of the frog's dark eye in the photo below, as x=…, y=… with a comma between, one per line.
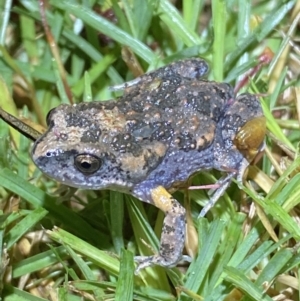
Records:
x=48, y=116
x=87, y=164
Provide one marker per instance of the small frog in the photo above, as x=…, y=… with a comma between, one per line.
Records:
x=168, y=125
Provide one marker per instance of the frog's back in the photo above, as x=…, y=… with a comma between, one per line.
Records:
x=163, y=126
x=180, y=113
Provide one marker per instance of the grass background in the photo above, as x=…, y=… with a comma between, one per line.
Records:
x=247, y=244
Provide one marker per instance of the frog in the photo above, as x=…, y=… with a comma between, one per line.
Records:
x=168, y=125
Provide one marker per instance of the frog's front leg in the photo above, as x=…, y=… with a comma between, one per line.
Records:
x=173, y=232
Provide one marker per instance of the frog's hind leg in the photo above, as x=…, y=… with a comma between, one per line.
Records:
x=173, y=232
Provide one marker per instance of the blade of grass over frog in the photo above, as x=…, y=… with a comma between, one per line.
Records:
x=99, y=257
x=20, y=126
x=11, y=293
x=170, y=16
x=199, y=267
x=219, y=24
x=260, y=32
x=38, y=198
x=101, y=24
x=240, y=281
x=124, y=289
x=274, y=266
x=277, y=212
x=23, y=226
x=38, y=262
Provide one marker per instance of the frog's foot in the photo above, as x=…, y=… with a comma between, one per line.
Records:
x=173, y=231
x=223, y=185
x=146, y=261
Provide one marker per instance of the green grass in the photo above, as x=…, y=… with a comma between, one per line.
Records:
x=61, y=244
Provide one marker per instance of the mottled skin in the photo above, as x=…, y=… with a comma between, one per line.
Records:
x=168, y=125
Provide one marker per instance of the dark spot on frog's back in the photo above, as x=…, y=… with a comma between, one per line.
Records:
x=224, y=90
x=167, y=100
x=232, y=122
x=91, y=136
x=186, y=142
x=250, y=101
x=163, y=131
x=125, y=143
x=199, y=103
x=77, y=120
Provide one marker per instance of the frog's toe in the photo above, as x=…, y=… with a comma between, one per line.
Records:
x=146, y=261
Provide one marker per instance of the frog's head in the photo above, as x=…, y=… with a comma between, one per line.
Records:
x=84, y=147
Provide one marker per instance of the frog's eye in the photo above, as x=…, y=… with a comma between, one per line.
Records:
x=48, y=116
x=87, y=164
